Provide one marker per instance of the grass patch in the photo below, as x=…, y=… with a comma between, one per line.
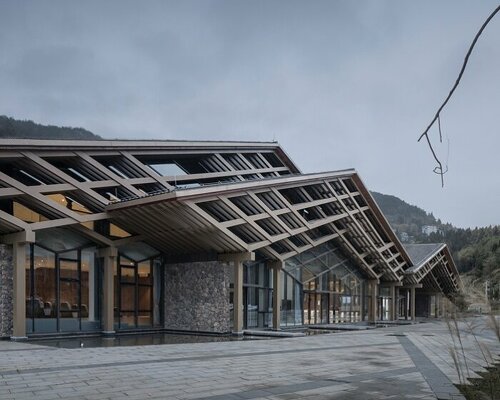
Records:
x=485, y=387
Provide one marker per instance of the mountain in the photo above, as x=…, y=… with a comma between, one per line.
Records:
x=475, y=251
x=12, y=128
x=407, y=220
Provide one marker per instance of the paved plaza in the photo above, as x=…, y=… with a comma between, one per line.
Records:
x=397, y=362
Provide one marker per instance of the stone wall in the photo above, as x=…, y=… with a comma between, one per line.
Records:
x=197, y=296
x=6, y=290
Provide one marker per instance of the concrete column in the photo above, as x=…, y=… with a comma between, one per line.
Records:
x=277, y=266
x=237, y=259
x=442, y=302
x=412, y=303
x=109, y=256
x=372, y=312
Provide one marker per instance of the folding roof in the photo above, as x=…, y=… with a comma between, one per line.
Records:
x=433, y=267
x=231, y=197
x=280, y=217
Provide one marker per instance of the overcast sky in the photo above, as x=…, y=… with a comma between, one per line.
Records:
x=339, y=84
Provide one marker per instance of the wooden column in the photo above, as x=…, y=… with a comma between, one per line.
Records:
x=277, y=266
x=109, y=257
x=19, y=295
x=238, y=298
x=372, y=312
x=412, y=303
x=407, y=302
x=237, y=259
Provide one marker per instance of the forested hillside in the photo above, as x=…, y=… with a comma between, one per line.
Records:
x=476, y=251
x=405, y=217
x=12, y=128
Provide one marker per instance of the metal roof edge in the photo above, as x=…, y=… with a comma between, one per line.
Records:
x=382, y=218
x=415, y=268
x=226, y=188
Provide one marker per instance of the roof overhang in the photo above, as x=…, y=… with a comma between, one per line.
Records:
x=178, y=222
x=436, y=271
x=46, y=145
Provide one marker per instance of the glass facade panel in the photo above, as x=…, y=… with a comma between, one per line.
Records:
x=145, y=306
x=144, y=273
x=127, y=274
x=69, y=291
x=62, y=293
x=257, y=295
x=45, y=289
x=384, y=303
x=331, y=286
x=433, y=306
x=127, y=298
x=68, y=268
x=89, y=283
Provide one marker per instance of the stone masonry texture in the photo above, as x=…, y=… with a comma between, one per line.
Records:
x=197, y=297
x=6, y=290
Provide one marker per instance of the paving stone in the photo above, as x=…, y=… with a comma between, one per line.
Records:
x=347, y=365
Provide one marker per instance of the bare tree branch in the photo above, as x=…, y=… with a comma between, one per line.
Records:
x=439, y=168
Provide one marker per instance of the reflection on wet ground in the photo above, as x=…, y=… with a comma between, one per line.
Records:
x=143, y=339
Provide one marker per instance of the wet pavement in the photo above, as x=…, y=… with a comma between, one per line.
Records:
x=148, y=339
x=397, y=362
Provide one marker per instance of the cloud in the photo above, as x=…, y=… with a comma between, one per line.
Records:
x=339, y=84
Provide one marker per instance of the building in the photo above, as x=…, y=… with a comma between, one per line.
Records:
x=404, y=237
x=116, y=236
x=428, y=229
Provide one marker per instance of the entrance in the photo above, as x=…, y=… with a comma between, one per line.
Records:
x=134, y=294
x=257, y=312
x=402, y=307
x=61, y=291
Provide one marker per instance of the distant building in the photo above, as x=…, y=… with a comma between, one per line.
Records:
x=404, y=237
x=428, y=229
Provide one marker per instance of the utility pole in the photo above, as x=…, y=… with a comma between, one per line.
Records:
x=486, y=285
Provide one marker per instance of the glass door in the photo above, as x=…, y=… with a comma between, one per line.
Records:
x=63, y=291
x=127, y=298
x=69, y=291
x=308, y=308
x=324, y=308
x=135, y=294
x=144, y=294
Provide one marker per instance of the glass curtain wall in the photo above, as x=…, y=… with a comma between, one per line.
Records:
x=62, y=290
x=291, y=300
x=384, y=303
x=257, y=295
x=332, y=287
x=319, y=286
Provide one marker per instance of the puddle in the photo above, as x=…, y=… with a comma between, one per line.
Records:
x=311, y=332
